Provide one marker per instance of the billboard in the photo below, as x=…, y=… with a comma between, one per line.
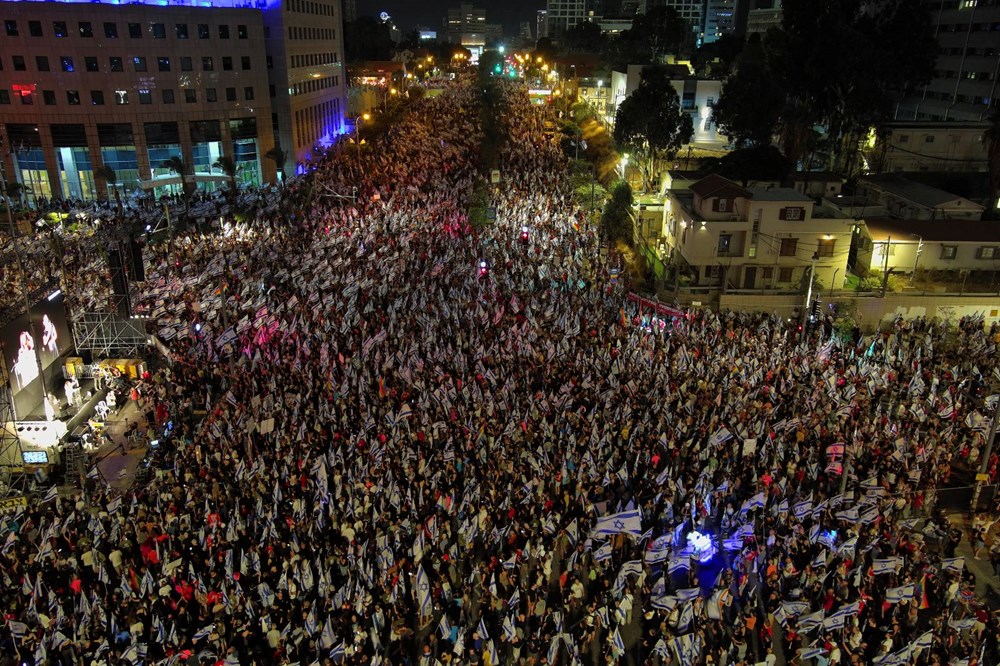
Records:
x=48, y=330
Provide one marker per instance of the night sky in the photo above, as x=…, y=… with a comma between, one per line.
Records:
x=408, y=14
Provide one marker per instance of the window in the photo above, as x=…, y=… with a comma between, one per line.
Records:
x=724, y=242
x=241, y=31
x=224, y=31
x=230, y=94
x=190, y=95
x=67, y=63
x=248, y=93
x=135, y=30
x=42, y=63
x=987, y=252
x=90, y=64
x=163, y=64
x=35, y=28
x=86, y=29
x=270, y=62
x=111, y=30
x=788, y=247
x=168, y=95
x=11, y=27
x=245, y=62
x=115, y=64
x=145, y=97
x=271, y=90
x=825, y=248
x=27, y=100
x=206, y=64
x=49, y=97
x=723, y=205
x=792, y=214
x=949, y=251
x=929, y=138
x=97, y=97
x=59, y=29
x=159, y=31
x=73, y=97
x=227, y=63
x=186, y=65
x=767, y=273
x=121, y=97
x=211, y=95
x=4, y=96
x=181, y=29
x=18, y=62
x=203, y=32
x=785, y=274
x=140, y=63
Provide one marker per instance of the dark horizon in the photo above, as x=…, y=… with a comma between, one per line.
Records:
x=430, y=13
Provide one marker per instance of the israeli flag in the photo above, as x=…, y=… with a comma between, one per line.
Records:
x=924, y=641
x=663, y=602
x=617, y=644
x=811, y=621
x=51, y=495
x=685, y=649
x=337, y=653
x=688, y=594
x=444, y=627
x=895, y=595
x=626, y=522
x=678, y=564
x=960, y=625
x=509, y=629
x=884, y=566
x=203, y=633
x=327, y=637
x=603, y=553
x=954, y=564
x=423, y=587
x=812, y=653
x=481, y=629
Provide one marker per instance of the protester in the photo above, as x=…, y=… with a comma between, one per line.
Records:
x=430, y=443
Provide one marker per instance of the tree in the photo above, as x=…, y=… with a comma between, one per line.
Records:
x=110, y=178
x=279, y=157
x=845, y=62
x=991, y=138
x=178, y=166
x=229, y=167
x=650, y=124
x=658, y=32
x=367, y=38
x=616, y=220
x=749, y=108
x=746, y=164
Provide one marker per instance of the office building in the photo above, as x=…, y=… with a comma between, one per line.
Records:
x=466, y=25
x=964, y=82
x=130, y=86
x=562, y=15
x=720, y=19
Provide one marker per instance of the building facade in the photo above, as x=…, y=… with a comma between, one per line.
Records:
x=562, y=15
x=720, y=19
x=909, y=246
x=964, y=83
x=909, y=200
x=730, y=237
x=130, y=86
x=692, y=11
x=932, y=146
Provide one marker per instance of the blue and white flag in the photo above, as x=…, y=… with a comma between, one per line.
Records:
x=617, y=644
x=626, y=522
x=204, y=632
x=960, y=625
x=481, y=630
x=688, y=594
x=678, y=564
x=811, y=621
x=423, y=589
x=812, y=653
x=885, y=565
x=444, y=627
x=327, y=638
x=924, y=641
x=686, y=648
x=895, y=595
x=509, y=629
x=603, y=553
x=337, y=652
x=954, y=564
x=51, y=495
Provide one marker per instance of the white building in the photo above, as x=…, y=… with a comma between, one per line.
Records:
x=903, y=246
x=562, y=15
x=732, y=237
x=696, y=97
x=910, y=200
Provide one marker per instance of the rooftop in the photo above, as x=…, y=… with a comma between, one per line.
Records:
x=930, y=231
x=918, y=193
x=777, y=194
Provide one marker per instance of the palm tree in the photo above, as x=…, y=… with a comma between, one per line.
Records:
x=230, y=168
x=279, y=157
x=991, y=139
x=178, y=166
x=110, y=178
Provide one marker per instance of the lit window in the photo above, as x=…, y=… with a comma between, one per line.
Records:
x=121, y=97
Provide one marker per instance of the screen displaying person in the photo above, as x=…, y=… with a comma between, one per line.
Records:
x=50, y=336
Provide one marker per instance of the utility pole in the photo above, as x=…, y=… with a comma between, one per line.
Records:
x=809, y=291
x=984, y=465
x=885, y=271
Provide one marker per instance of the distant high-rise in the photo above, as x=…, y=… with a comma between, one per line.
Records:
x=466, y=25
x=964, y=86
x=350, y=11
x=692, y=11
x=525, y=31
x=541, y=24
x=562, y=15
x=720, y=19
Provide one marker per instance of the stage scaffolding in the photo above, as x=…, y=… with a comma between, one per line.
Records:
x=106, y=335
x=12, y=479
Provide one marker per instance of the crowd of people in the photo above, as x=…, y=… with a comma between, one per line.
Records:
x=428, y=443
